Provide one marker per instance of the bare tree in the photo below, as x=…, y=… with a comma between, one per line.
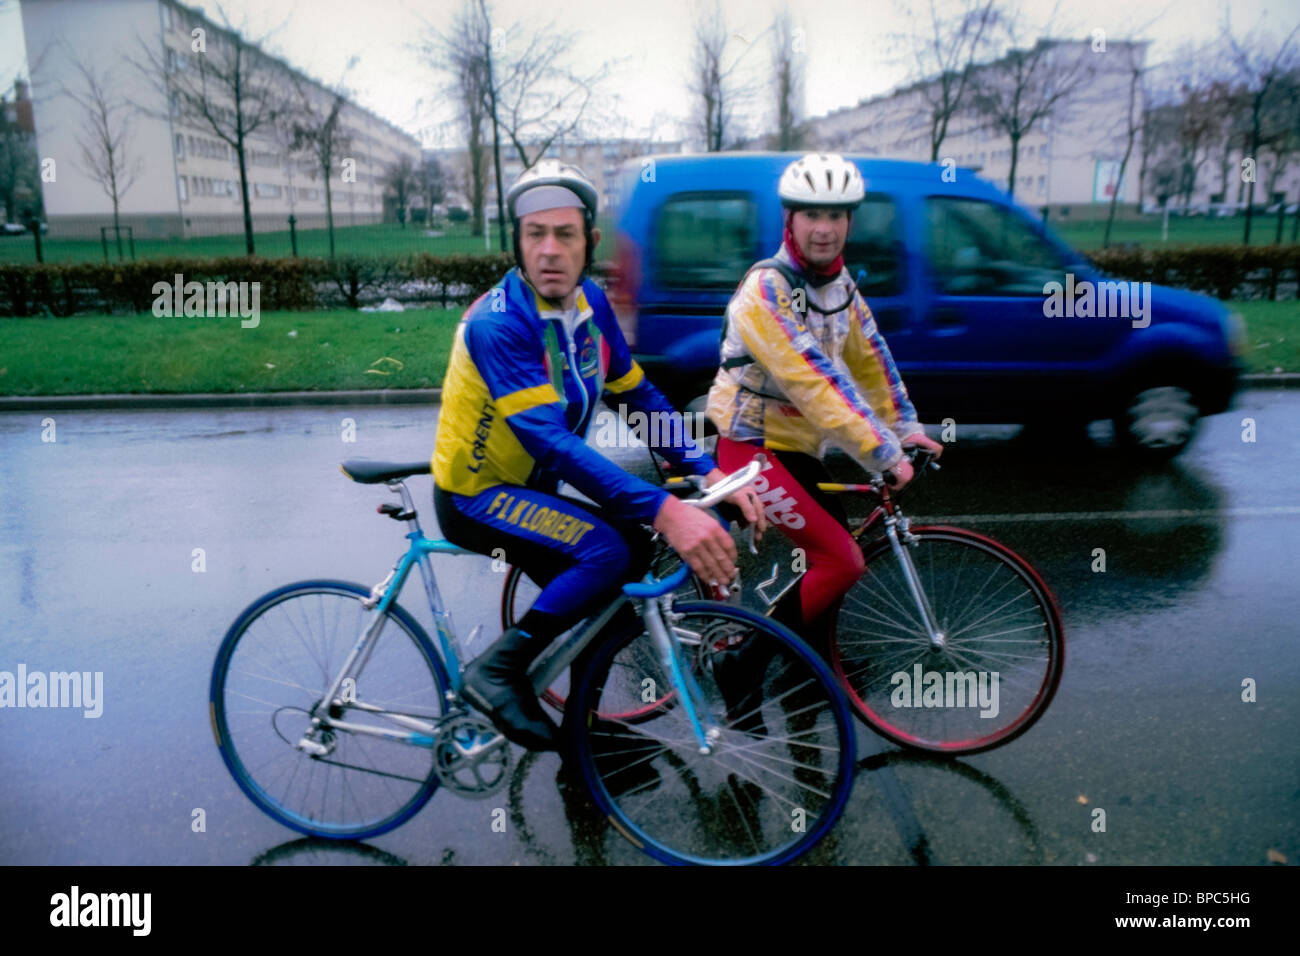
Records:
x=402, y=179
x=520, y=81
x=945, y=49
x=1029, y=85
x=1200, y=124
x=283, y=134
x=105, y=136
x=458, y=53
x=432, y=182
x=714, y=82
x=1283, y=126
x=1260, y=68
x=787, y=81
x=1158, y=123
x=539, y=98
x=1133, y=58
x=225, y=85
x=318, y=130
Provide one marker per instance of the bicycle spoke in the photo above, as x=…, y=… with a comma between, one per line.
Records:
x=365, y=784
x=993, y=620
x=748, y=774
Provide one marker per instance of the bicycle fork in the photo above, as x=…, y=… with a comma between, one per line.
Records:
x=896, y=530
x=706, y=730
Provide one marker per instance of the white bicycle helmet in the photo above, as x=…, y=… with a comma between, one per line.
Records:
x=821, y=179
x=552, y=172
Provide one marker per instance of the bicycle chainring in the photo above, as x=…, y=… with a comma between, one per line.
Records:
x=471, y=757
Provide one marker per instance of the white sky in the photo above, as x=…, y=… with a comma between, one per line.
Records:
x=851, y=48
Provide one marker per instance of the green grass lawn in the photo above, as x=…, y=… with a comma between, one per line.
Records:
x=375, y=240
x=339, y=349
x=1273, y=335
x=1085, y=233
x=287, y=351
x=382, y=239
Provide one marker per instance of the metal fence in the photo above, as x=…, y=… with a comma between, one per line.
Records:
x=94, y=239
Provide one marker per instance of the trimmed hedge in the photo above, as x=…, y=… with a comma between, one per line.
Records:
x=1225, y=272
x=127, y=287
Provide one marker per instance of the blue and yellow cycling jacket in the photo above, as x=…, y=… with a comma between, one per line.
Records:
x=520, y=393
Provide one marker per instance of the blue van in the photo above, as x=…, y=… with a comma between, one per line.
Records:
x=983, y=307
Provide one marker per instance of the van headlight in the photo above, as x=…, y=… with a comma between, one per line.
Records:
x=1234, y=327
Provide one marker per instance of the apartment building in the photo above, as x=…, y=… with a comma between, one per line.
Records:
x=599, y=159
x=188, y=177
x=1068, y=161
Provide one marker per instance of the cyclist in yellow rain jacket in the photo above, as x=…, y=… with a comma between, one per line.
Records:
x=803, y=369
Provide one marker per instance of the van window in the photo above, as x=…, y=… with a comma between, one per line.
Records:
x=705, y=241
x=983, y=248
x=875, y=245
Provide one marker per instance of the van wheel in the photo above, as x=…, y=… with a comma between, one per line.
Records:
x=1157, y=423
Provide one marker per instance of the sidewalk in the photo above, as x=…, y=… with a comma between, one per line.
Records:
x=413, y=396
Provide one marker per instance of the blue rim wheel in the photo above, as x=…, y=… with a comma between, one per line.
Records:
x=271, y=676
x=779, y=774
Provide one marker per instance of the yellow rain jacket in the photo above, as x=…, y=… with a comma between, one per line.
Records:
x=817, y=378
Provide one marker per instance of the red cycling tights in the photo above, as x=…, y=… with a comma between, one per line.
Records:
x=813, y=520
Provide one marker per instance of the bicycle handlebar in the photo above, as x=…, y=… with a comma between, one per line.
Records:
x=731, y=484
x=919, y=458
x=650, y=586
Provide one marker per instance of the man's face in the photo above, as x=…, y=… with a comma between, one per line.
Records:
x=820, y=233
x=554, y=250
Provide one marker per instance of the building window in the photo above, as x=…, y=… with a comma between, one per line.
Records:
x=1042, y=184
x=180, y=141
x=185, y=193
x=167, y=17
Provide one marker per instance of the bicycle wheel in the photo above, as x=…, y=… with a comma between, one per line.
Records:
x=778, y=776
x=270, y=676
x=520, y=592
x=1001, y=656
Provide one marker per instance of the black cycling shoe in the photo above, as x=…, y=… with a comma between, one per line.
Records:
x=739, y=665
x=497, y=683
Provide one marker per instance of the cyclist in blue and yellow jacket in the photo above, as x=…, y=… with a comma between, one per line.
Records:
x=530, y=360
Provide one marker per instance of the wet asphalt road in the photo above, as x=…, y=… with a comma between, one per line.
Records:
x=98, y=532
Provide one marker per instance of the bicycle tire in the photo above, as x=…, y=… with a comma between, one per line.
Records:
x=900, y=645
x=793, y=688
x=516, y=592
x=254, y=749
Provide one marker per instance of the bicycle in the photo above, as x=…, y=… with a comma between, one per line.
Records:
x=911, y=644
x=351, y=749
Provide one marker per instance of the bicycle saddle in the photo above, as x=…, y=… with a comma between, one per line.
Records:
x=372, y=472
